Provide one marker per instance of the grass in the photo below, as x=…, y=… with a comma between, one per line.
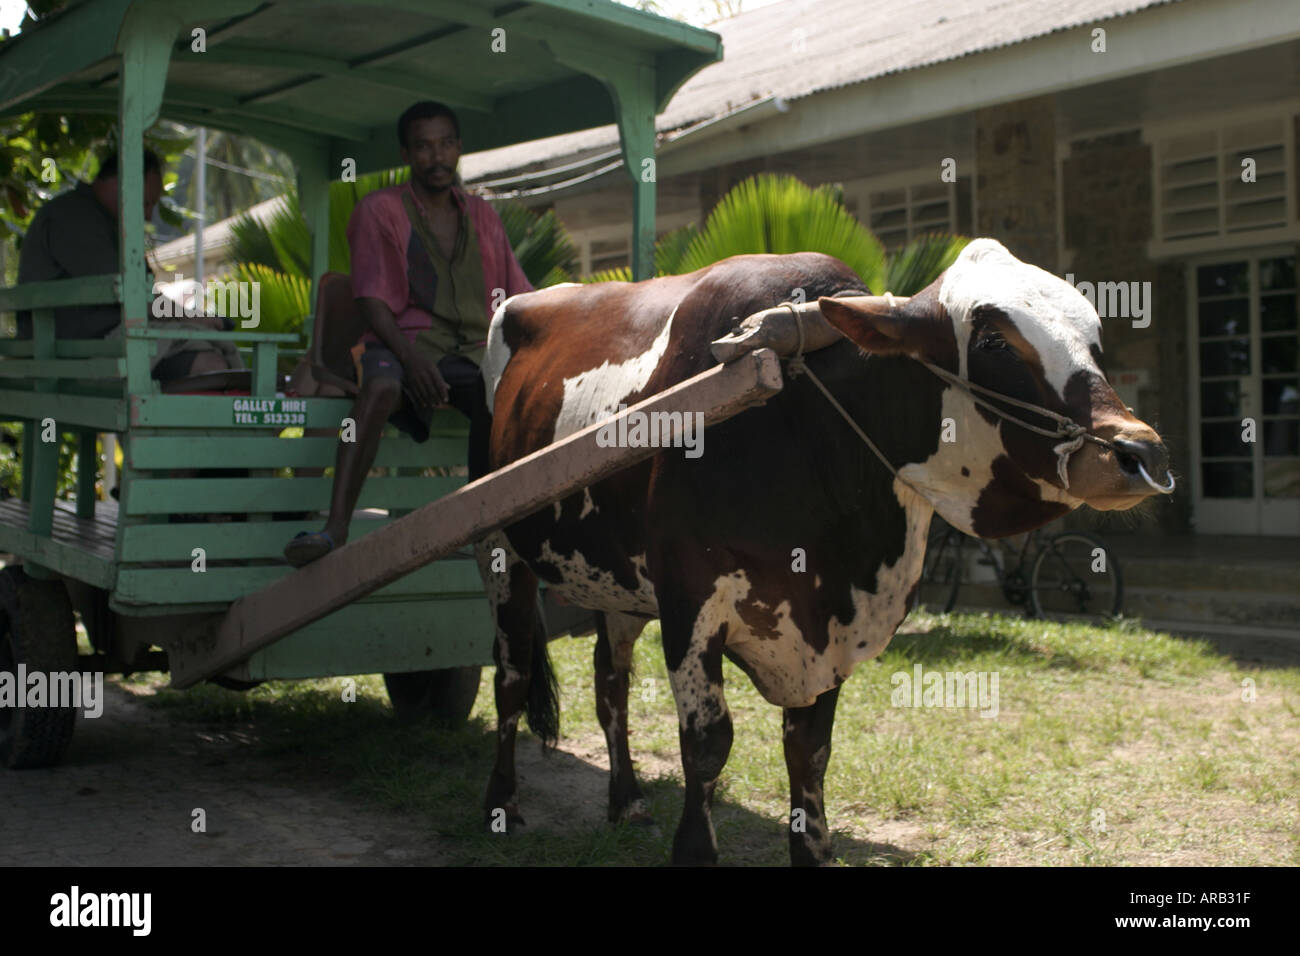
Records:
x=1111, y=746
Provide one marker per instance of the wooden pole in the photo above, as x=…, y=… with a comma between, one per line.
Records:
x=479, y=508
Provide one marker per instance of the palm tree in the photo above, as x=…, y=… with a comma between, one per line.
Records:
x=781, y=214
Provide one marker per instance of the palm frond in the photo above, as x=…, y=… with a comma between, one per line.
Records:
x=284, y=300
x=916, y=265
x=780, y=214
x=617, y=274
x=543, y=248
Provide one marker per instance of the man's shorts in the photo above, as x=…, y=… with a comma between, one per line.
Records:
x=468, y=396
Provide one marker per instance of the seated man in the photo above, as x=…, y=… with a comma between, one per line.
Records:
x=426, y=260
x=76, y=234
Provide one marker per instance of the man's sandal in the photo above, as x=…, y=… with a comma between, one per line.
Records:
x=308, y=546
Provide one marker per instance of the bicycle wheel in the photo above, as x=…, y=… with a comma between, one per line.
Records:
x=943, y=563
x=1076, y=575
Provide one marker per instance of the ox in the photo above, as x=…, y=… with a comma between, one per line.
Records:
x=711, y=546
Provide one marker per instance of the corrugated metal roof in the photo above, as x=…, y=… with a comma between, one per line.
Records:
x=801, y=47
x=851, y=41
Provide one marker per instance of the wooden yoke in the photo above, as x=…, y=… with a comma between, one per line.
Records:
x=465, y=516
x=779, y=329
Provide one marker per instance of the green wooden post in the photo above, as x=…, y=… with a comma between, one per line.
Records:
x=29, y=449
x=636, y=130
x=87, y=471
x=313, y=161
x=44, y=460
x=266, y=377
x=144, y=43
x=631, y=84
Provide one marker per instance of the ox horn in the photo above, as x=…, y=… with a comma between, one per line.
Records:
x=779, y=329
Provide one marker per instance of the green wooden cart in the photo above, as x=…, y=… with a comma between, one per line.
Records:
x=156, y=582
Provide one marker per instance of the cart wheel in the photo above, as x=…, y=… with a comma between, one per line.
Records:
x=39, y=631
x=445, y=696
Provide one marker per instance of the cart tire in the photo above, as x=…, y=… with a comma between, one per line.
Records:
x=444, y=696
x=38, y=630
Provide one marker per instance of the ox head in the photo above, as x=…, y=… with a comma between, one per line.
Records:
x=1011, y=327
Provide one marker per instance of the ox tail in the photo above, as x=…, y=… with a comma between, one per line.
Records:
x=543, y=707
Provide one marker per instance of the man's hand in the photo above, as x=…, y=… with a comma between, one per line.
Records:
x=426, y=383
x=423, y=380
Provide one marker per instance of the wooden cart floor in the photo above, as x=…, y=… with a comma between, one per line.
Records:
x=94, y=538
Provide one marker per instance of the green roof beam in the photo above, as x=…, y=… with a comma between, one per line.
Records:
x=320, y=66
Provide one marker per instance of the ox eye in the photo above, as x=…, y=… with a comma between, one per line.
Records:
x=991, y=342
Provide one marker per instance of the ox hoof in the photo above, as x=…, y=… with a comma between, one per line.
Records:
x=635, y=813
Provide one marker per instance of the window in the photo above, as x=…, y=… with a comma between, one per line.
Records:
x=897, y=212
x=609, y=254
x=1200, y=192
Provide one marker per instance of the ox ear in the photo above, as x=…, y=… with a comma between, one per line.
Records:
x=876, y=323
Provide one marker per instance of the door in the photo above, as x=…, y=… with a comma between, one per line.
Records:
x=1245, y=394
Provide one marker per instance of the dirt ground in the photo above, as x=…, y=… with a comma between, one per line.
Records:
x=127, y=789
x=126, y=793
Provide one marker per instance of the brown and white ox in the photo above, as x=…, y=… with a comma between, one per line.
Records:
x=709, y=545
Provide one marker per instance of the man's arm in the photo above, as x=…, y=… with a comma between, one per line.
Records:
x=381, y=288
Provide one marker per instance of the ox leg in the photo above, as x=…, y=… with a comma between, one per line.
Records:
x=694, y=657
x=616, y=635
x=807, y=736
x=512, y=593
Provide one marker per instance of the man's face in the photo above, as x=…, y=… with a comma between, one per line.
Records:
x=153, y=190
x=432, y=151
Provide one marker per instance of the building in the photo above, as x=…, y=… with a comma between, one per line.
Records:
x=1146, y=148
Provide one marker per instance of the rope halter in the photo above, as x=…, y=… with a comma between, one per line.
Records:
x=1072, y=434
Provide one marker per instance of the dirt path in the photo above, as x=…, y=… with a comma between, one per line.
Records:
x=126, y=791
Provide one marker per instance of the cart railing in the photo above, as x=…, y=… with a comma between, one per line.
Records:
x=191, y=460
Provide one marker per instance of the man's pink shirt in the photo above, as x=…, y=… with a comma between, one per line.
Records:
x=379, y=234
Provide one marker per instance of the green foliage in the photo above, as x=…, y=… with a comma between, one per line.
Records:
x=285, y=300
x=240, y=173
x=780, y=214
x=916, y=265
x=544, y=250
x=45, y=153
x=11, y=466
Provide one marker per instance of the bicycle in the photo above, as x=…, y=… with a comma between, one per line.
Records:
x=1072, y=573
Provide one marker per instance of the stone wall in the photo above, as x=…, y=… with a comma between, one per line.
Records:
x=1107, y=188
x=1015, y=178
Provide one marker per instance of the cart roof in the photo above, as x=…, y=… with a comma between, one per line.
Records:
x=337, y=74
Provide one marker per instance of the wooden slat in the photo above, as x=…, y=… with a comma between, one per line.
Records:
x=158, y=496
x=417, y=635
x=183, y=585
x=66, y=348
x=213, y=411
x=63, y=368
x=239, y=335
x=501, y=498
x=226, y=541
x=220, y=449
x=59, y=293
x=103, y=414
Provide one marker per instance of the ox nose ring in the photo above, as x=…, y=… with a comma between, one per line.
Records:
x=1142, y=458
